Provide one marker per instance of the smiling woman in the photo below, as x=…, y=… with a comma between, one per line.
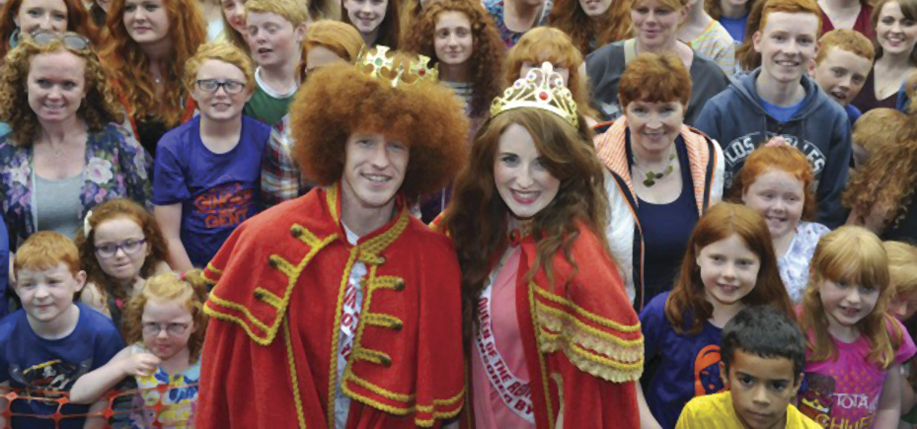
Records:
x=66, y=152
x=28, y=16
x=658, y=167
x=377, y=20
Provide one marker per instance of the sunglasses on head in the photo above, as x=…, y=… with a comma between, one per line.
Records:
x=70, y=40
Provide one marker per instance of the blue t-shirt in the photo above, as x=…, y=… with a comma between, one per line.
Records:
x=781, y=113
x=670, y=226
x=217, y=191
x=28, y=361
x=688, y=364
x=852, y=113
x=735, y=27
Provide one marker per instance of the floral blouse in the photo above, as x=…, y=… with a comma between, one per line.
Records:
x=794, y=264
x=116, y=167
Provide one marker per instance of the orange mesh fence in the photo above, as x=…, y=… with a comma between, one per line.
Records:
x=163, y=406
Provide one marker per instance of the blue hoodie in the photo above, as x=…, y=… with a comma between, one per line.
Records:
x=737, y=120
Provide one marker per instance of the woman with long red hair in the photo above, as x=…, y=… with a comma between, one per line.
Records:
x=147, y=46
x=29, y=16
x=542, y=298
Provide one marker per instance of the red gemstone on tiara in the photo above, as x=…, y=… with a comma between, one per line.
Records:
x=423, y=72
x=543, y=96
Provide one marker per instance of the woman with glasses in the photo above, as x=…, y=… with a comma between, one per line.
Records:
x=65, y=153
x=30, y=16
x=148, y=44
x=120, y=246
x=208, y=169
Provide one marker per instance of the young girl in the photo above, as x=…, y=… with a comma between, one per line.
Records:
x=777, y=183
x=120, y=245
x=855, y=350
x=377, y=21
x=729, y=264
x=164, y=326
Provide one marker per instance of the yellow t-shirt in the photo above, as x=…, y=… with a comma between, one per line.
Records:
x=716, y=412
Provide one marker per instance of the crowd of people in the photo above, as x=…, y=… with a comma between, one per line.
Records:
x=458, y=213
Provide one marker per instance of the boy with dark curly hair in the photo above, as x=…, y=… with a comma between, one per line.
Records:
x=341, y=297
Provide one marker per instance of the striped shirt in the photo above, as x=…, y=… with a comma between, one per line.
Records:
x=716, y=43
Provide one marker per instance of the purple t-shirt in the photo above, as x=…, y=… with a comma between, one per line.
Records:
x=846, y=392
x=217, y=191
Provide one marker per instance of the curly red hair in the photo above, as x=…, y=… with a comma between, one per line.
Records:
x=783, y=158
x=117, y=209
x=489, y=50
x=78, y=21
x=131, y=66
x=568, y=16
x=338, y=100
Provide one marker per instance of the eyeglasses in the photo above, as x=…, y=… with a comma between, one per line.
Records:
x=152, y=328
x=70, y=40
x=129, y=247
x=212, y=85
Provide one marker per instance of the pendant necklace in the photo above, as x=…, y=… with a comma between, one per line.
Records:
x=651, y=177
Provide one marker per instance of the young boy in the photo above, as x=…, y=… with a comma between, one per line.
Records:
x=763, y=354
x=276, y=29
x=779, y=100
x=840, y=69
x=51, y=341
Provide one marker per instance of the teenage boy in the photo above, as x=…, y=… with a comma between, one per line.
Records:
x=763, y=354
x=276, y=29
x=52, y=341
x=844, y=60
x=778, y=99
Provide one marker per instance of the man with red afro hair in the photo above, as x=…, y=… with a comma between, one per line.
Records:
x=339, y=309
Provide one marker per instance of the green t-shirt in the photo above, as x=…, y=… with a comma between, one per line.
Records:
x=266, y=105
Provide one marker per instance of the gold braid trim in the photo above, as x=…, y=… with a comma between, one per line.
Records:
x=587, y=314
x=373, y=356
x=291, y=359
x=558, y=323
x=280, y=264
x=335, y=336
x=538, y=346
x=433, y=409
x=331, y=198
x=384, y=321
x=269, y=297
x=215, y=270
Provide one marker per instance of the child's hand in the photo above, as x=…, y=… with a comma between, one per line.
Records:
x=140, y=364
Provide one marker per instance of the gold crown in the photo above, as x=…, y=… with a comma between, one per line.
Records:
x=541, y=88
x=397, y=67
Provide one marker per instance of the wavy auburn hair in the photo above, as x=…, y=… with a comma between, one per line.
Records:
x=78, y=21
x=489, y=50
x=687, y=307
x=342, y=39
x=338, y=101
x=886, y=182
x=119, y=208
x=542, y=44
x=568, y=16
x=99, y=107
x=189, y=288
x=187, y=32
x=853, y=255
x=477, y=217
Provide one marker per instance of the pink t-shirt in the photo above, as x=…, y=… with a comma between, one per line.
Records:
x=845, y=393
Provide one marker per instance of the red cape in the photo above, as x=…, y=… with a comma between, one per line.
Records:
x=270, y=356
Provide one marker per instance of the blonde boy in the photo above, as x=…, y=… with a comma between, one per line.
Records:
x=52, y=341
x=841, y=66
x=276, y=29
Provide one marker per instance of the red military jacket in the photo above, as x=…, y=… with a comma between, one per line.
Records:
x=270, y=356
x=582, y=339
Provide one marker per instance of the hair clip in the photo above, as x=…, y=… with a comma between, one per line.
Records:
x=87, y=228
x=776, y=141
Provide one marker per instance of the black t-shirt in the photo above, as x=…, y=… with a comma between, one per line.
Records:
x=903, y=227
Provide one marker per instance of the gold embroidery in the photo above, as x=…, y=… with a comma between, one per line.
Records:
x=544, y=373
x=335, y=335
x=585, y=313
x=384, y=321
x=268, y=297
x=291, y=359
x=556, y=320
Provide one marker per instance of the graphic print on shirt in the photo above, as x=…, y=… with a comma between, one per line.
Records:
x=707, y=376
x=820, y=399
x=51, y=376
x=739, y=149
x=225, y=205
